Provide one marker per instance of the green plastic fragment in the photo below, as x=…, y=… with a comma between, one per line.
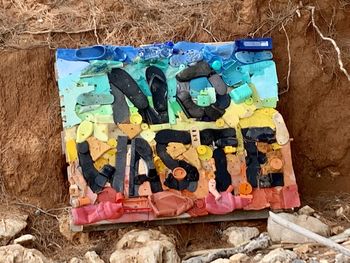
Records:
x=203, y=100
x=212, y=94
x=102, y=110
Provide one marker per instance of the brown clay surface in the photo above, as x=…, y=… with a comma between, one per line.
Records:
x=316, y=107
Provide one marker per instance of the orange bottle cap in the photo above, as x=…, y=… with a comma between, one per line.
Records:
x=179, y=173
x=276, y=163
x=84, y=201
x=245, y=188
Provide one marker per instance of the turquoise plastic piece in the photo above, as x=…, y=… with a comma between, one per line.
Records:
x=100, y=67
x=130, y=104
x=203, y=100
x=170, y=74
x=83, y=109
x=69, y=90
x=231, y=75
x=66, y=68
x=199, y=84
x=255, y=68
x=100, y=82
x=216, y=65
x=171, y=114
x=241, y=93
x=266, y=81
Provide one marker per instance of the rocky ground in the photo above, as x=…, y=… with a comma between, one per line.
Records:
x=264, y=244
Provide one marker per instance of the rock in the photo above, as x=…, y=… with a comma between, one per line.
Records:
x=9, y=227
x=335, y=230
x=306, y=210
x=92, y=257
x=25, y=240
x=18, y=254
x=258, y=257
x=281, y=234
x=239, y=258
x=240, y=235
x=340, y=258
x=145, y=246
x=324, y=261
x=76, y=260
x=279, y=255
x=341, y=211
x=64, y=228
x=302, y=249
x=220, y=260
x=342, y=236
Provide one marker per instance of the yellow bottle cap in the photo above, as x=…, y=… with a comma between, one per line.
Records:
x=135, y=118
x=220, y=123
x=144, y=126
x=201, y=149
x=276, y=146
x=249, y=101
x=204, y=152
x=230, y=149
x=160, y=166
x=112, y=142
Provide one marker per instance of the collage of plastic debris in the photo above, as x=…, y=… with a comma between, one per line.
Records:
x=172, y=129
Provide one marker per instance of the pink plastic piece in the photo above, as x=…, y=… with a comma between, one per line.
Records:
x=212, y=189
x=167, y=203
x=276, y=198
x=108, y=194
x=198, y=208
x=94, y=213
x=226, y=204
x=291, y=196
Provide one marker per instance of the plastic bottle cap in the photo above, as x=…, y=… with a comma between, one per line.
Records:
x=230, y=149
x=112, y=142
x=144, y=126
x=216, y=65
x=276, y=163
x=245, y=188
x=160, y=167
x=201, y=149
x=204, y=152
x=220, y=123
x=84, y=201
x=276, y=146
x=249, y=101
x=135, y=118
x=179, y=173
